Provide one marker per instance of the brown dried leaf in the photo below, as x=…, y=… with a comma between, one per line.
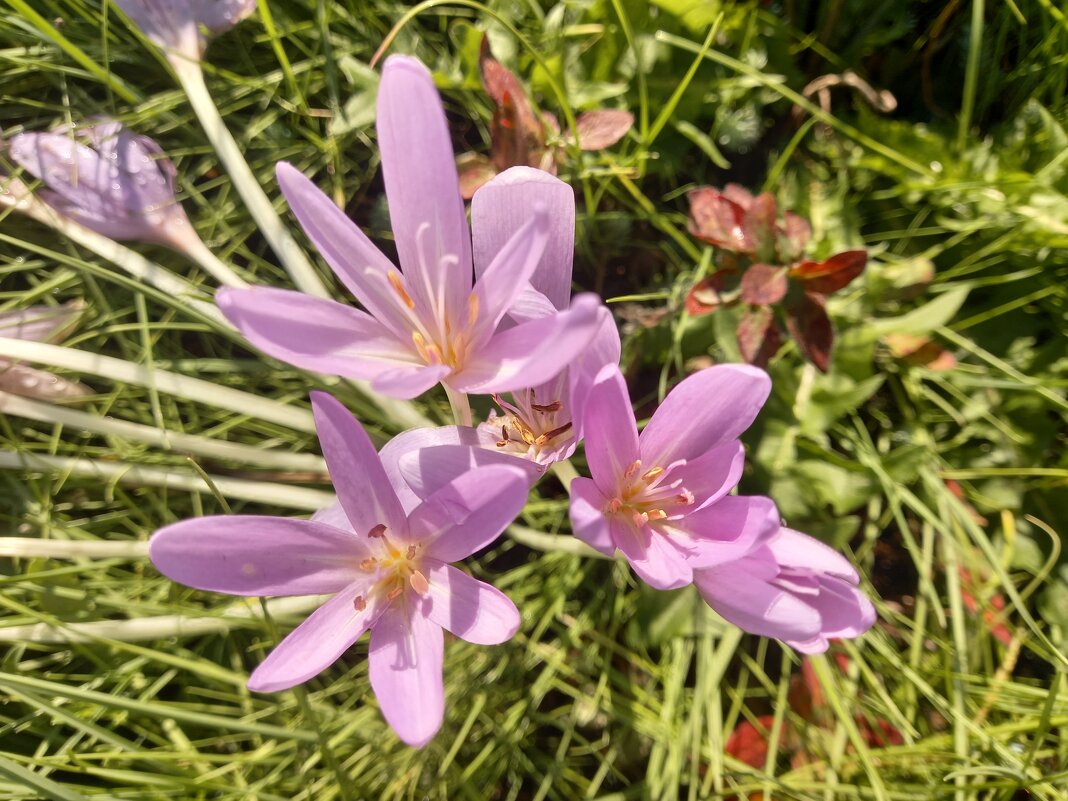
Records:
x=601, y=128
x=811, y=329
x=717, y=220
x=474, y=170
x=833, y=274
x=764, y=285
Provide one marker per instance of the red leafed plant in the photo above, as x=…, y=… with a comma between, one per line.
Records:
x=520, y=136
x=767, y=271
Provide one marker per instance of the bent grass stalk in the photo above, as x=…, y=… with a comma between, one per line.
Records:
x=191, y=77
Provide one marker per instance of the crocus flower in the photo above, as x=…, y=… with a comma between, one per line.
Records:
x=181, y=26
x=427, y=324
x=39, y=324
x=107, y=178
x=794, y=588
x=388, y=567
x=661, y=498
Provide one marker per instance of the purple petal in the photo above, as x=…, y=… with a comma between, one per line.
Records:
x=844, y=610
x=315, y=334
x=354, y=259
x=531, y=353
x=529, y=304
x=219, y=16
x=651, y=555
x=726, y=530
x=410, y=484
x=355, y=469
x=610, y=429
x=502, y=207
x=168, y=23
x=470, y=512
x=257, y=555
x=470, y=609
x=333, y=515
x=750, y=602
x=432, y=467
x=707, y=409
x=802, y=551
x=409, y=381
x=588, y=520
x=603, y=350
x=509, y=272
x=711, y=476
x=315, y=644
x=427, y=213
x=406, y=654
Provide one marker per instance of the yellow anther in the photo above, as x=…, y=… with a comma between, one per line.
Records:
x=398, y=287
x=411, y=552
x=555, y=406
x=652, y=475
x=472, y=308
x=358, y=603
x=633, y=468
x=655, y=514
x=419, y=582
x=550, y=435
x=369, y=564
x=615, y=505
x=394, y=594
x=377, y=531
x=640, y=519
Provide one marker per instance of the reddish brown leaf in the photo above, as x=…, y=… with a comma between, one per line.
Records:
x=880, y=735
x=706, y=294
x=831, y=275
x=749, y=744
x=758, y=336
x=474, y=170
x=717, y=220
x=515, y=130
x=736, y=193
x=811, y=329
x=795, y=235
x=759, y=226
x=764, y=285
x=920, y=350
x=602, y=127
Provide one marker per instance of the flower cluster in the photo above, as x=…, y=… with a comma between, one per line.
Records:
x=480, y=309
x=764, y=267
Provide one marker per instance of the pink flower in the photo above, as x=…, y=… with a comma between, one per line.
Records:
x=430, y=323
x=388, y=565
x=661, y=498
x=178, y=25
x=107, y=178
x=794, y=588
x=38, y=324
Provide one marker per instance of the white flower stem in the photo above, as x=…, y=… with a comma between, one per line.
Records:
x=160, y=438
x=267, y=492
x=191, y=77
x=36, y=548
x=461, y=407
x=122, y=257
x=194, y=389
x=244, y=613
x=188, y=242
x=565, y=472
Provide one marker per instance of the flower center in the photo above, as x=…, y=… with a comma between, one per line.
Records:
x=528, y=427
x=649, y=496
x=396, y=568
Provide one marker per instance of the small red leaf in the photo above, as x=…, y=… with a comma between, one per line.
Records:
x=758, y=336
x=717, y=220
x=749, y=744
x=920, y=350
x=831, y=275
x=764, y=285
x=759, y=225
x=811, y=328
x=602, y=128
x=515, y=130
x=796, y=233
x=736, y=193
x=474, y=170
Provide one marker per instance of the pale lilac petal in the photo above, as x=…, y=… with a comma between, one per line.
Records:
x=316, y=334
x=409, y=381
x=470, y=512
x=755, y=605
x=651, y=555
x=355, y=470
x=470, y=609
x=317, y=643
x=588, y=520
x=410, y=483
x=802, y=551
x=257, y=555
x=219, y=16
x=726, y=530
x=710, y=407
x=610, y=429
x=425, y=208
x=508, y=273
x=844, y=610
x=503, y=205
x=168, y=23
x=360, y=265
x=714, y=474
x=405, y=667
x=432, y=467
x=604, y=350
x=529, y=304
x=21, y=379
x=531, y=353
x=333, y=515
